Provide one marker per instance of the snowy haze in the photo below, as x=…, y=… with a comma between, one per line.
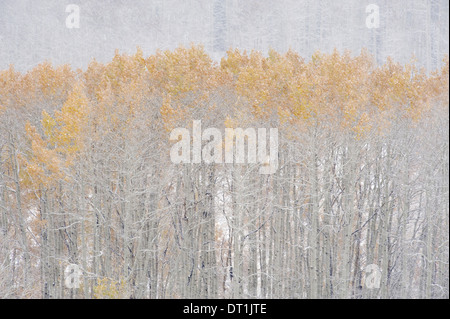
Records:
x=34, y=31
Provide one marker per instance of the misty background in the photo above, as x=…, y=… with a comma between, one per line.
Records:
x=35, y=31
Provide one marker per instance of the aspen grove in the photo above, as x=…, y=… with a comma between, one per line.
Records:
x=362, y=178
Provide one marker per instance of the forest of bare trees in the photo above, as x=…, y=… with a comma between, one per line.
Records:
x=361, y=188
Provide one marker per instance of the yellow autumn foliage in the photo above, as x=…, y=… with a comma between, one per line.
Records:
x=172, y=88
x=106, y=288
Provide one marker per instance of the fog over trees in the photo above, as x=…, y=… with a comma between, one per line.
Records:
x=92, y=204
x=34, y=31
